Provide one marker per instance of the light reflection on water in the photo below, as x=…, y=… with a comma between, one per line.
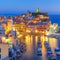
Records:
x=53, y=43
x=31, y=46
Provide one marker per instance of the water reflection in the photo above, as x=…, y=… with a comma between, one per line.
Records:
x=53, y=43
x=31, y=46
x=36, y=39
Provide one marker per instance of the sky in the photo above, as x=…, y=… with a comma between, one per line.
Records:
x=17, y=6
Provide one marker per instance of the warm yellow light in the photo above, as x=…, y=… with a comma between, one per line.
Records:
x=43, y=38
x=51, y=26
x=8, y=40
x=14, y=29
x=28, y=31
x=7, y=30
x=27, y=39
x=3, y=38
x=36, y=31
x=47, y=34
x=9, y=27
x=43, y=32
x=18, y=33
x=46, y=38
x=19, y=36
x=36, y=37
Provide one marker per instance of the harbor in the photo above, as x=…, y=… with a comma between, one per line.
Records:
x=31, y=47
x=30, y=36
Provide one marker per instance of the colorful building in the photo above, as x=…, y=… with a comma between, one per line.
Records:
x=4, y=47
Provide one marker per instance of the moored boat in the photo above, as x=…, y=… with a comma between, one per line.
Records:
x=57, y=51
x=39, y=52
x=52, y=57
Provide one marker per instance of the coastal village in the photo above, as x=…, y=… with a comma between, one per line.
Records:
x=14, y=29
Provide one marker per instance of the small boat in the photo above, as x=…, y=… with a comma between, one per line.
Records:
x=49, y=52
x=39, y=45
x=22, y=48
x=46, y=44
x=39, y=52
x=18, y=53
x=57, y=51
x=52, y=57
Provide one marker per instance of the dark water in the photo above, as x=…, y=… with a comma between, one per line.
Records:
x=55, y=19
x=31, y=47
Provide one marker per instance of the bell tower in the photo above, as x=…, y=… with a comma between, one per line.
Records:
x=37, y=10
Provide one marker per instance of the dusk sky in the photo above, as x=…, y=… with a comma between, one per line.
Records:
x=16, y=6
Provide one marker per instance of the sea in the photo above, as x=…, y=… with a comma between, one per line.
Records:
x=55, y=19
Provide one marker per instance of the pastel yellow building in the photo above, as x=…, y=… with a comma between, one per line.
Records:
x=9, y=26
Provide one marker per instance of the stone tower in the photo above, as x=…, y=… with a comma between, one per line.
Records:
x=37, y=10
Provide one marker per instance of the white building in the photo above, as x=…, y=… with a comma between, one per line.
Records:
x=54, y=28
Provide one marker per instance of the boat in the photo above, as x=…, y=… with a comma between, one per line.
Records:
x=57, y=51
x=39, y=52
x=39, y=45
x=18, y=53
x=52, y=57
x=49, y=51
x=12, y=54
x=22, y=47
x=46, y=44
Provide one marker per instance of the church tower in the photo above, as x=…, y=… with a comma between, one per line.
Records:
x=37, y=10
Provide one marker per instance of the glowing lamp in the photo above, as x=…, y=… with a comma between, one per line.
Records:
x=8, y=40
